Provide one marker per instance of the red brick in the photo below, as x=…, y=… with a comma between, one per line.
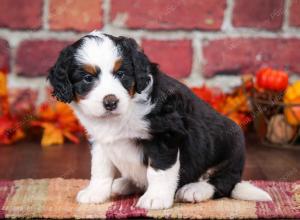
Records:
x=75, y=15
x=265, y=14
x=174, y=57
x=35, y=57
x=168, y=14
x=295, y=13
x=4, y=55
x=21, y=14
x=247, y=55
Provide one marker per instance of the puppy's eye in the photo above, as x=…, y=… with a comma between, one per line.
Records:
x=120, y=73
x=88, y=78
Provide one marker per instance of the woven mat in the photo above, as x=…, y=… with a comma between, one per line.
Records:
x=55, y=198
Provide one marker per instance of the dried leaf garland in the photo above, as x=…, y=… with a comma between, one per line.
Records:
x=232, y=105
x=17, y=110
x=58, y=122
x=10, y=129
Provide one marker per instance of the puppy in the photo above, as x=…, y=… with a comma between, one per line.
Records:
x=149, y=133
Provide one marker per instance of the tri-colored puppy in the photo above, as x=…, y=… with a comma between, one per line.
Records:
x=149, y=133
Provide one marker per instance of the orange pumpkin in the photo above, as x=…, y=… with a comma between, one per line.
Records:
x=272, y=79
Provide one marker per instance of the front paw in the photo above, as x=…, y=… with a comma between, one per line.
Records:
x=155, y=201
x=92, y=195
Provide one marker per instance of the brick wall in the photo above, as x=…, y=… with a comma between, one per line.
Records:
x=193, y=40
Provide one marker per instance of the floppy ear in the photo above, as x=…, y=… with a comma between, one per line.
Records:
x=59, y=77
x=141, y=64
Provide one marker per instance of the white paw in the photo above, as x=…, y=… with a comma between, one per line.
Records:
x=195, y=192
x=246, y=191
x=123, y=187
x=92, y=195
x=155, y=201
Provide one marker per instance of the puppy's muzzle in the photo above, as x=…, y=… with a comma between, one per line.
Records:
x=110, y=102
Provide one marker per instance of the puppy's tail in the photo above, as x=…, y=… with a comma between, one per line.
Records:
x=246, y=191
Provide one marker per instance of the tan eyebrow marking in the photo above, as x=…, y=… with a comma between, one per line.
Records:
x=117, y=65
x=91, y=69
x=132, y=90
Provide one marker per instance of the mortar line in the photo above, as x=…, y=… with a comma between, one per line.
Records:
x=45, y=15
x=227, y=21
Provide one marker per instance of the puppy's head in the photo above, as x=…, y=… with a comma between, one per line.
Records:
x=101, y=74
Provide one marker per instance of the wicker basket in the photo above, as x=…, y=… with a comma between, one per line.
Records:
x=270, y=123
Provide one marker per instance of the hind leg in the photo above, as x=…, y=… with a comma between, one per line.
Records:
x=219, y=185
x=229, y=172
x=195, y=192
x=224, y=183
x=227, y=183
x=217, y=182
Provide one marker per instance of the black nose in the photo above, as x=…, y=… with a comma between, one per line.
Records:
x=110, y=102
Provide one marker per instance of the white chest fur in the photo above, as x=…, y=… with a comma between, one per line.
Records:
x=116, y=135
x=128, y=159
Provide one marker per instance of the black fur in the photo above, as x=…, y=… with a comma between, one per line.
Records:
x=135, y=62
x=180, y=122
x=66, y=77
x=59, y=77
x=204, y=138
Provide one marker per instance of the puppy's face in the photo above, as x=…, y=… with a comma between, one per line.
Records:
x=100, y=74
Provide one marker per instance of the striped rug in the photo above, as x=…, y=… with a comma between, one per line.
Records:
x=55, y=198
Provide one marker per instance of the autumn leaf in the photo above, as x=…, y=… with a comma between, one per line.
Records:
x=71, y=137
x=4, y=107
x=59, y=122
x=213, y=96
x=52, y=135
x=233, y=105
x=3, y=83
x=10, y=130
x=46, y=112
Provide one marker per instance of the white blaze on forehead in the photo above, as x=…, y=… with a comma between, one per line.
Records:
x=99, y=50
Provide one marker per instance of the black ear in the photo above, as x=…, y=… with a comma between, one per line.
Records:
x=59, y=76
x=141, y=63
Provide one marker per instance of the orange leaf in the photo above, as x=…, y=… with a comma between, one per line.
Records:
x=71, y=137
x=3, y=83
x=46, y=112
x=212, y=96
x=4, y=107
x=65, y=114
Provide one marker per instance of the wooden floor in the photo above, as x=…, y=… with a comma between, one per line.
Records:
x=29, y=160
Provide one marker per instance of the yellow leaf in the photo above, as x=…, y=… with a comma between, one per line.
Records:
x=292, y=92
x=52, y=135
